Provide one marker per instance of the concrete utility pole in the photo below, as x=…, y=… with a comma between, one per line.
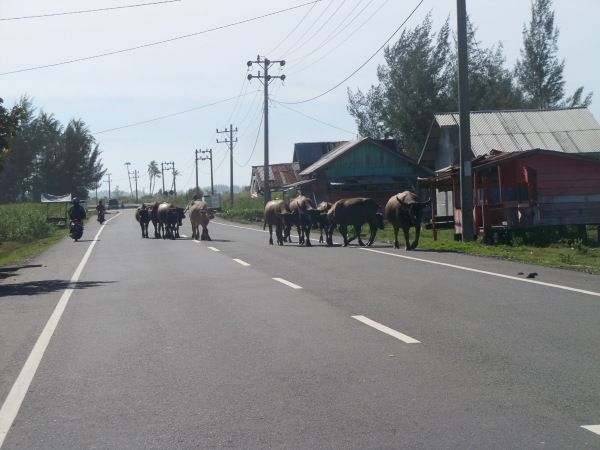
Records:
x=108, y=175
x=165, y=166
x=229, y=141
x=466, y=179
x=265, y=79
x=129, y=178
x=174, y=177
x=210, y=157
x=162, y=171
x=135, y=177
x=196, y=159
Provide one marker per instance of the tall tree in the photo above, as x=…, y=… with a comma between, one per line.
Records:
x=491, y=84
x=413, y=86
x=9, y=126
x=539, y=71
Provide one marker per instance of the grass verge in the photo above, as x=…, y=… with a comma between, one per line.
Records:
x=17, y=252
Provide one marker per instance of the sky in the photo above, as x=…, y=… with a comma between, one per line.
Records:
x=203, y=77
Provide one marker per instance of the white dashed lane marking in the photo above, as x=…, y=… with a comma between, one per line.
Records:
x=214, y=249
x=239, y=261
x=288, y=283
x=386, y=330
x=592, y=428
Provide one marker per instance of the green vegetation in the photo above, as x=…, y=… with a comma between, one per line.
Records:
x=24, y=232
x=244, y=207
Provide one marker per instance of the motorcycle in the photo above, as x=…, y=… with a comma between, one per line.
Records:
x=76, y=229
x=101, y=218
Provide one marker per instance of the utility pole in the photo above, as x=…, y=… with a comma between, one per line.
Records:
x=174, y=176
x=129, y=178
x=162, y=171
x=108, y=175
x=229, y=141
x=210, y=157
x=165, y=166
x=196, y=159
x=135, y=177
x=466, y=179
x=265, y=79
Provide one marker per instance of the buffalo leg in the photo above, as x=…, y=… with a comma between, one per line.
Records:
x=417, y=234
x=300, y=234
x=306, y=232
x=396, y=243
x=329, y=234
x=358, y=230
x=344, y=232
x=279, y=234
x=270, y=234
x=373, y=232
x=406, y=238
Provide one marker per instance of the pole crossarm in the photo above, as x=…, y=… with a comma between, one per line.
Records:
x=229, y=141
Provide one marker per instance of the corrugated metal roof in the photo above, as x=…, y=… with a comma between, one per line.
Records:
x=326, y=158
x=570, y=130
x=279, y=174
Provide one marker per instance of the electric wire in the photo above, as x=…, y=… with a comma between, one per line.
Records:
x=293, y=46
x=362, y=65
x=312, y=36
x=164, y=41
x=87, y=10
x=343, y=41
x=293, y=29
x=254, y=146
x=334, y=30
x=166, y=116
x=353, y=133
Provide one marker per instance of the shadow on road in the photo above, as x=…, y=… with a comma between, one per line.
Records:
x=6, y=272
x=45, y=286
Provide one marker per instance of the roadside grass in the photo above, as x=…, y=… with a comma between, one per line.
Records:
x=25, y=232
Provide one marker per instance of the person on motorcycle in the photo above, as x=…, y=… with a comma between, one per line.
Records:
x=76, y=212
x=101, y=209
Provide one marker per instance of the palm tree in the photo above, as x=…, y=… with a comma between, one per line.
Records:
x=153, y=174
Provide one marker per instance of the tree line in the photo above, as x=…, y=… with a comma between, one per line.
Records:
x=420, y=78
x=44, y=156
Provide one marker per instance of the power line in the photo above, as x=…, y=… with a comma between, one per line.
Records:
x=362, y=65
x=88, y=10
x=166, y=116
x=254, y=146
x=164, y=41
x=315, y=119
x=343, y=41
x=294, y=45
x=293, y=29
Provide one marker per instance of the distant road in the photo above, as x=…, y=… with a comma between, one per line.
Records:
x=235, y=343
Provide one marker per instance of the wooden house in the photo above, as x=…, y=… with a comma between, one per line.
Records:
x=279, y=175
x=569, y=136
x=360, y=168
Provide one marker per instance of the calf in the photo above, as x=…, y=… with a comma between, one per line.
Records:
x=142, y=215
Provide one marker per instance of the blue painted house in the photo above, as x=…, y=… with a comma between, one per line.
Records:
x=363, y=167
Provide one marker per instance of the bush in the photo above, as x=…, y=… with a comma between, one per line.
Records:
x=23, y=222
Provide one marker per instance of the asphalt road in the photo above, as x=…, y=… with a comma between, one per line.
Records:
x=183, y=344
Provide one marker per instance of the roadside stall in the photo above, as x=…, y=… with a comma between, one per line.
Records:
x=57, y=207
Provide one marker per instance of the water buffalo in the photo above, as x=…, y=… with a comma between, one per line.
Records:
x=169, y=220
x=303, y=210
x=142, y=215
x=355, y=212
x=154, y=219
x=278, y=214
x=320, y=219
x=404, y=210
x=200, y=215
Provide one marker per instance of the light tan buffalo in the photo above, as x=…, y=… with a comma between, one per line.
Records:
x=355, y=212
x=404, y=210
x=303, y=212
x=278, y=215
x=200, y=215
x=320, y=220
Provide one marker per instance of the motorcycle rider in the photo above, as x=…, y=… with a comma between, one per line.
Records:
x=101, y=209
x=76, y=212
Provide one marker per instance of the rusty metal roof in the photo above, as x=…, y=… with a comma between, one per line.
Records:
x=279, y=175
x=569, y=130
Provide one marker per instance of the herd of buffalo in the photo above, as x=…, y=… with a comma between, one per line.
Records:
x=403, y=210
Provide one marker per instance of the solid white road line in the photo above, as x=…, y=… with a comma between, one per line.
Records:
x=500, y=275
x=14, y=399
x=288, y=283
x=239, y=261
x=386, y=330
x=239, y=226
x=214, y=249
x=183, y=235
x=592, y=428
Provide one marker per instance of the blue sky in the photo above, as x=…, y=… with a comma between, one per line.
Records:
x=135, y=86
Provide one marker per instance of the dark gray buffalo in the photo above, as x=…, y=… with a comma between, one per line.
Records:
x=169, y=220
x=142, y=215
x=405, y=210
x=278, y=215
x=355, y=212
